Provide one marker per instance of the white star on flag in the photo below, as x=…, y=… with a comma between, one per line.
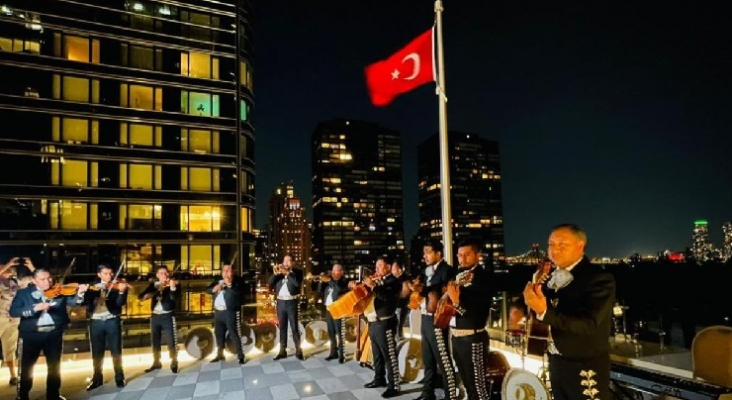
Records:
x=395, y=74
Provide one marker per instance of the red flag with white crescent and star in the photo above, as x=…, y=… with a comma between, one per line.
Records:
x=405, y=70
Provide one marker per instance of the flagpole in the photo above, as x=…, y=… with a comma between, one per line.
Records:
x=444, y=154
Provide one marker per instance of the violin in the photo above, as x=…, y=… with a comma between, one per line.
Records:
x=114, y=285
x=58, y=290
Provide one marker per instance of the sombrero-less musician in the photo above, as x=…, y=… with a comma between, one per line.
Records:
x=577, y=304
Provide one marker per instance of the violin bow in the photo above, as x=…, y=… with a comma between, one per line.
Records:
x=121, y=267
x=68, y=269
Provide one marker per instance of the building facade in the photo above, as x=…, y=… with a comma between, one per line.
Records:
x=288, y=227
x=475, y=195
x=727, y=240
x=357, y=194
x=701, y=247
x=127, y=133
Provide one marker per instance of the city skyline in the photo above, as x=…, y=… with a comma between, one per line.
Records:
x=612, y=117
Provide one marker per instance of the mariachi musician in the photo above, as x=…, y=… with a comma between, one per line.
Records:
x=43, y=318
x=104, y=301
x=336, y=287
x=227, y=295
x=286, y=283
x=381, y=316
x=469, y=293
x=434, y=351
x=163, y=293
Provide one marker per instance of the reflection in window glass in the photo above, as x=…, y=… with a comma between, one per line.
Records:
x=140, y=216
x=142, y=97
x=200, y=259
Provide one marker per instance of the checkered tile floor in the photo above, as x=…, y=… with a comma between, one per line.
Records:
x=261, y=378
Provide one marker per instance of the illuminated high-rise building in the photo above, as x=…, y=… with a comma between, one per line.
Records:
x=475, y=195
x=127, y=133
x=289, y=228
x=727, y=240
x=357, y=194
x=701, y=248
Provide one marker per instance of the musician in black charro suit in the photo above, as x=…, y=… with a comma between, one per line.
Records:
x=334, y=289
x=286, y=283
x=227, y=292
x=163, y=293
x=470, y=342
x=381, y=314
x=576, y=302
x=434, y=350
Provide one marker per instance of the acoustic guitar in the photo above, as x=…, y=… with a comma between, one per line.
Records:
x=415, y=299
x=445, y=307
x=537, y=332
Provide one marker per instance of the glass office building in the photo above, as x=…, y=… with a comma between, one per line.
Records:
x=126, y=133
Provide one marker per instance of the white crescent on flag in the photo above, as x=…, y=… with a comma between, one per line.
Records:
x=414, y=57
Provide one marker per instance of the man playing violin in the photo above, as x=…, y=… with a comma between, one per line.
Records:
x=163, y=294
x=334, y=289
x=42, y=323
x=104, y=302
x=435, y=277
x=286, y=284
x=470, y=293
x=381, y=314
x=227, y=295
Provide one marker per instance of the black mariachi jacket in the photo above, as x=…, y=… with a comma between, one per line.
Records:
x=294, y=280
x=26, y=299
x=443, y=274
x=166, y=297
x=386, y=293
x=233, y=294
x=475, y=301
x=338, y=287
x=580, y=314
x=115, y=300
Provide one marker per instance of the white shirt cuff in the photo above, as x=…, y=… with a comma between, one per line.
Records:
x=541, y=317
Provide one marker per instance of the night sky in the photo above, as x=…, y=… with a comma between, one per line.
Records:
x=615, y=116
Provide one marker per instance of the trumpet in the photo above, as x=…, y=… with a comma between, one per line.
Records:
x=318, y=278
x=279, y=269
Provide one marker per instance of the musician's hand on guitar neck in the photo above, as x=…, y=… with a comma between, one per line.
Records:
x=453, y=291
x=534, y=298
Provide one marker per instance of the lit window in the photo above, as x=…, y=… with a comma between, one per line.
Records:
x=143, y=97
x=140, y=135
x=71, y=215
x=140, y=216
x=200, y=218
x=202, y=104
x=140, y=176
x=199, y=141
x=201, y=259
x=74, y=130
x=246, y=220
x=75, y=89
x=19, y=45
x=74, y=173
x=199, y=179
x=243, y=110
x=199, y=65
x=141, y=57
x=76, y=48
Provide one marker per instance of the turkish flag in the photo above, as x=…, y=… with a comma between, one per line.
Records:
x=405, y=70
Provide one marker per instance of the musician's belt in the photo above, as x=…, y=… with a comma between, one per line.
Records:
x=425, y=313
x=465, y=332
x=374, y=319
x=220, y=308
x=288, y=297
x=103, y=317
x=46, y=328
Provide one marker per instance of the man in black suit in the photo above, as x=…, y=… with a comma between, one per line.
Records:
x=470, y=293
x=42, y=324
x=163, y=293
x=336, y=287
x=381, y=314
x=578, y=309
x=286, y=284
x=104, y=305
x=227, y=295
x=434, y=350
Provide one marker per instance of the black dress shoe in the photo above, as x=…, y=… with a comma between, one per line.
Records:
x=242, y=360
x=375, y=384
x=121, y=383
x=330, y=357
x=174, y=366
x=280, y=356
x=342, y=360
x=426, y=396
x=299, y=356
x=154, y=367
x=390, y=393
x=94, y=384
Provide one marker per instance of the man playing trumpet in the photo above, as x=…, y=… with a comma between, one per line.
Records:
x=286, y=283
